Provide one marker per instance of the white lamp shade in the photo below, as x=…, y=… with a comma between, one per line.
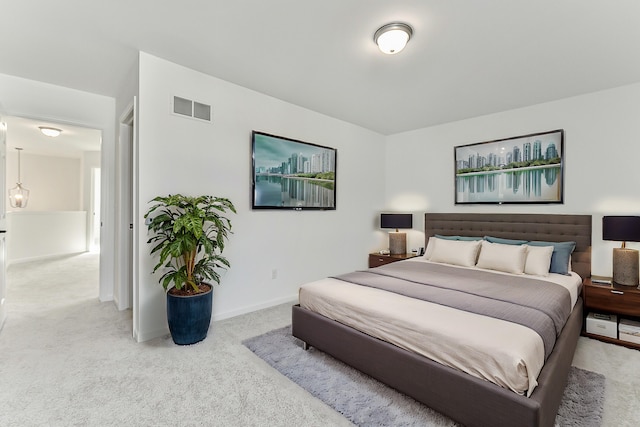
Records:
x=18, y=196
x=393, y=41
x=392, y=38
x=49, y=131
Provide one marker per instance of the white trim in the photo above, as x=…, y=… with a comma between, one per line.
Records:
x=52, y=103
x=121, y=288
x=160, y=332
x=128, y=138
x=251, y=308
x=149, y=335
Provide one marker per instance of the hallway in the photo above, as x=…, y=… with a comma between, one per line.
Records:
x=37, y=289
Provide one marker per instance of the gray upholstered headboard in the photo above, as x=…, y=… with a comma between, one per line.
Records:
x=553, y=228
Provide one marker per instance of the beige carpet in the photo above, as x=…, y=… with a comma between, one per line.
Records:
x=67, y=359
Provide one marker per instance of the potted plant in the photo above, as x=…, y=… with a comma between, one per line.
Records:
x=189, y=234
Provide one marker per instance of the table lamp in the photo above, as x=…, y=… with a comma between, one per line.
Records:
x=625, y=261
x=397, y=240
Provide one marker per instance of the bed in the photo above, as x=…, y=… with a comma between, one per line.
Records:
x=467, y=398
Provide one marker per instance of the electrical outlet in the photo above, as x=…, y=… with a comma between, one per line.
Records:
x=274, y=274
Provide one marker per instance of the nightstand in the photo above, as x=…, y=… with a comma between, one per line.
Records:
x=613, y=299
x=376, y=259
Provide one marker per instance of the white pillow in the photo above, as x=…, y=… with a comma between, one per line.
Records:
x=430, y=245
x=538, y=260
x=456, y=252
x=501, y=257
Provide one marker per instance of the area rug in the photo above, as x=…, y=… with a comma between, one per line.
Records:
x=367, y=402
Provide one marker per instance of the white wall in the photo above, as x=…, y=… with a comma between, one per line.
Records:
x=602, y=148
x=181, y=155
x=53, y=182
x=32, y=99
x=40, y=235
x=55, y=220
x=89, y=161
x=412, y=172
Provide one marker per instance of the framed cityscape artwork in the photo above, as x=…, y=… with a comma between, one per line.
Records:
x=521, y=169
x=292, y=174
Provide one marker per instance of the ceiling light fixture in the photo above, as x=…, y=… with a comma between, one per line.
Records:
x=49, y=131
x=18, y=195
x=393, y=37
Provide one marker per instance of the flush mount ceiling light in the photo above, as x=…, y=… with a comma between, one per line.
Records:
x=393, y=37
x=49, y=131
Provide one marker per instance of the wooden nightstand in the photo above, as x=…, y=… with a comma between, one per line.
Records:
x=376, y=260
x=613, y=299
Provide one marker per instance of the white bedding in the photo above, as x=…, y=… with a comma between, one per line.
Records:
x=502, y=352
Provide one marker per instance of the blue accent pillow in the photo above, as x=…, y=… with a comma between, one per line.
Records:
x=440, y=236
x=465, y=238
x=560, y=257
x=504, y=241
x=469, y=238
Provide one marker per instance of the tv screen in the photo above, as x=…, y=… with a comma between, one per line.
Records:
x=292, y=174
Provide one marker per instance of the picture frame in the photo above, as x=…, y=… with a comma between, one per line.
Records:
x=521, y=169
x=291, y=174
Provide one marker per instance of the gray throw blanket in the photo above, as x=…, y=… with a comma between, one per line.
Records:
x=537, y=304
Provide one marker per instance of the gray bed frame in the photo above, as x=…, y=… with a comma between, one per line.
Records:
x=464, y=398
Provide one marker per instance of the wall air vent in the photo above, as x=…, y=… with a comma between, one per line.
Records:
x=188, y=108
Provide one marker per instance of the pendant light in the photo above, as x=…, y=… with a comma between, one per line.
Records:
x=18, y=196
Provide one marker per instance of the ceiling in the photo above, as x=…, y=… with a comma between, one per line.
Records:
x=72, y=142
x=466, y=58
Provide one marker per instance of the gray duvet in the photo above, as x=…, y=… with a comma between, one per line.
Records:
x=539, y=305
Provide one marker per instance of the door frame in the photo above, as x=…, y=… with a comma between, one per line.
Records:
x=126, y=292
x=3, y=222
x=37, y=100
x=105, y=282
x=94, y=209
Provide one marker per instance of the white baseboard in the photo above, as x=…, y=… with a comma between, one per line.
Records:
x=251, y=308
x=149, y=335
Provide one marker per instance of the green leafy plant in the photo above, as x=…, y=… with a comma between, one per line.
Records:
x=189, y=235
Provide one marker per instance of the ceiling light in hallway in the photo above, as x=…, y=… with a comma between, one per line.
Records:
x=49, y=131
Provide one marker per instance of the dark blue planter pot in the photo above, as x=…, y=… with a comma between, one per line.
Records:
x=189, y=316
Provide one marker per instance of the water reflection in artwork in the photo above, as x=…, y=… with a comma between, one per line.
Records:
x=537, y=185
x=281, y=191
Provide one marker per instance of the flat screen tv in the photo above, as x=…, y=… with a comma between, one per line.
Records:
x=292, y=174
x=520, y=169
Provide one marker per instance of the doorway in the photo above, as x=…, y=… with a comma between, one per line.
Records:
x=63, y=176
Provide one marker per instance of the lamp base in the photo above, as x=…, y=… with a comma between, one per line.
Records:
x=397, y=243
x=625, y=266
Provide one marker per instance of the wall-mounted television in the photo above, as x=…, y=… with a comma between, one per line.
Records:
x=292, y=174
x=521, y=169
